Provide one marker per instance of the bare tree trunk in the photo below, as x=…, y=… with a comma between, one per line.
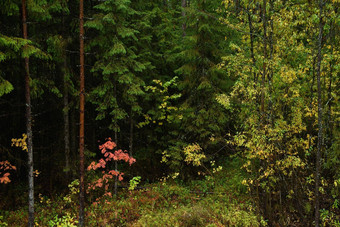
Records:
x=116, y=139
x=66, y=120
x=81, y=117
x=28, y=126
x=270, y=73
x=183, y=16
x=131, y=133
x=310, y=125
x=73, y=134
x=328, y=123
x=251, y=32
x=264, y=72
x=320, y=135
x=267, y=196
x=66, y=108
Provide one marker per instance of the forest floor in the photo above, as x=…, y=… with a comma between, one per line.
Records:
x=215, y=200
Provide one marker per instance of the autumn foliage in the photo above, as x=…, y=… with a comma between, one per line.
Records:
x=5, y=166
x=109, y=156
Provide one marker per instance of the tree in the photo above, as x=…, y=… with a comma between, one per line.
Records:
x=28, y=126
x=200, y=80
x=320, y=124
x=58, y=42
x=82, y=114
x=273, y=100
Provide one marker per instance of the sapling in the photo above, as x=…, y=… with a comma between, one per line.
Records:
x=109, y=156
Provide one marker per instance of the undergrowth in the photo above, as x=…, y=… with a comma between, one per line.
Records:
x=220, y=200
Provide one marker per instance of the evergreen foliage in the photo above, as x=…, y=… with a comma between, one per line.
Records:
x=119, y=61
x=180, y=85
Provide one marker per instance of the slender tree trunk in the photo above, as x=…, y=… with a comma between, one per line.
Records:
x=66, y=112
x=183, y=16
x=73, y=133
x=66, y=122
x=251, y=36
x=28, y=126
x=270, y=73
x=116, y=139
x=264, y=72
x=320, y=135
x=267, y=196
x=81, y=117
x=131, y=133
x=251, y=32
x=310, y=124
x=328, y=124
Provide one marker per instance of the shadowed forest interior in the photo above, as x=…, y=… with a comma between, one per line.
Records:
x=169, y=113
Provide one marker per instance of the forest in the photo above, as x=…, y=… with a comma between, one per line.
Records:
x=170, y=113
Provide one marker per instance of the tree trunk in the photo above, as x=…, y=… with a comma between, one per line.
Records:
x=28, y=126
x=66, y=130
x=66, y=112
x=270, y=70
x=328, y=123
x=264, y=72
x=320, y=135
x=73, y=134
x=251, y=32
x=116, y=138
x=131, y=133
x=66, y=121
x=183, y=16
x=81, y=116
x=310, y=124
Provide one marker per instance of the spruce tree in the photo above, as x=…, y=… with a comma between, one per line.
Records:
x=200, y=79
x=119, y=62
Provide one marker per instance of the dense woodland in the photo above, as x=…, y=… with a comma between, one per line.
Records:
x=197, y=112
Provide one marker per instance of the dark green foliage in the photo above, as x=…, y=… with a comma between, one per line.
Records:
x=200, y=80
x=119, y=61
x=161, y=78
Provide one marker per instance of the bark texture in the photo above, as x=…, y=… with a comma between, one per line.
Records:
x=28, y=125
x=82, y=114
x=320, y=125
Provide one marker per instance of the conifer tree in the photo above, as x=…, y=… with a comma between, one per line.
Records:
x=200, y=52
x=119, y=63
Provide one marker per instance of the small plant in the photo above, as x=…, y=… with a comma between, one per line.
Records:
x=107, y=175
x=74, y=190
x=2, y=223
x=64, y=221
x=134, y=182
